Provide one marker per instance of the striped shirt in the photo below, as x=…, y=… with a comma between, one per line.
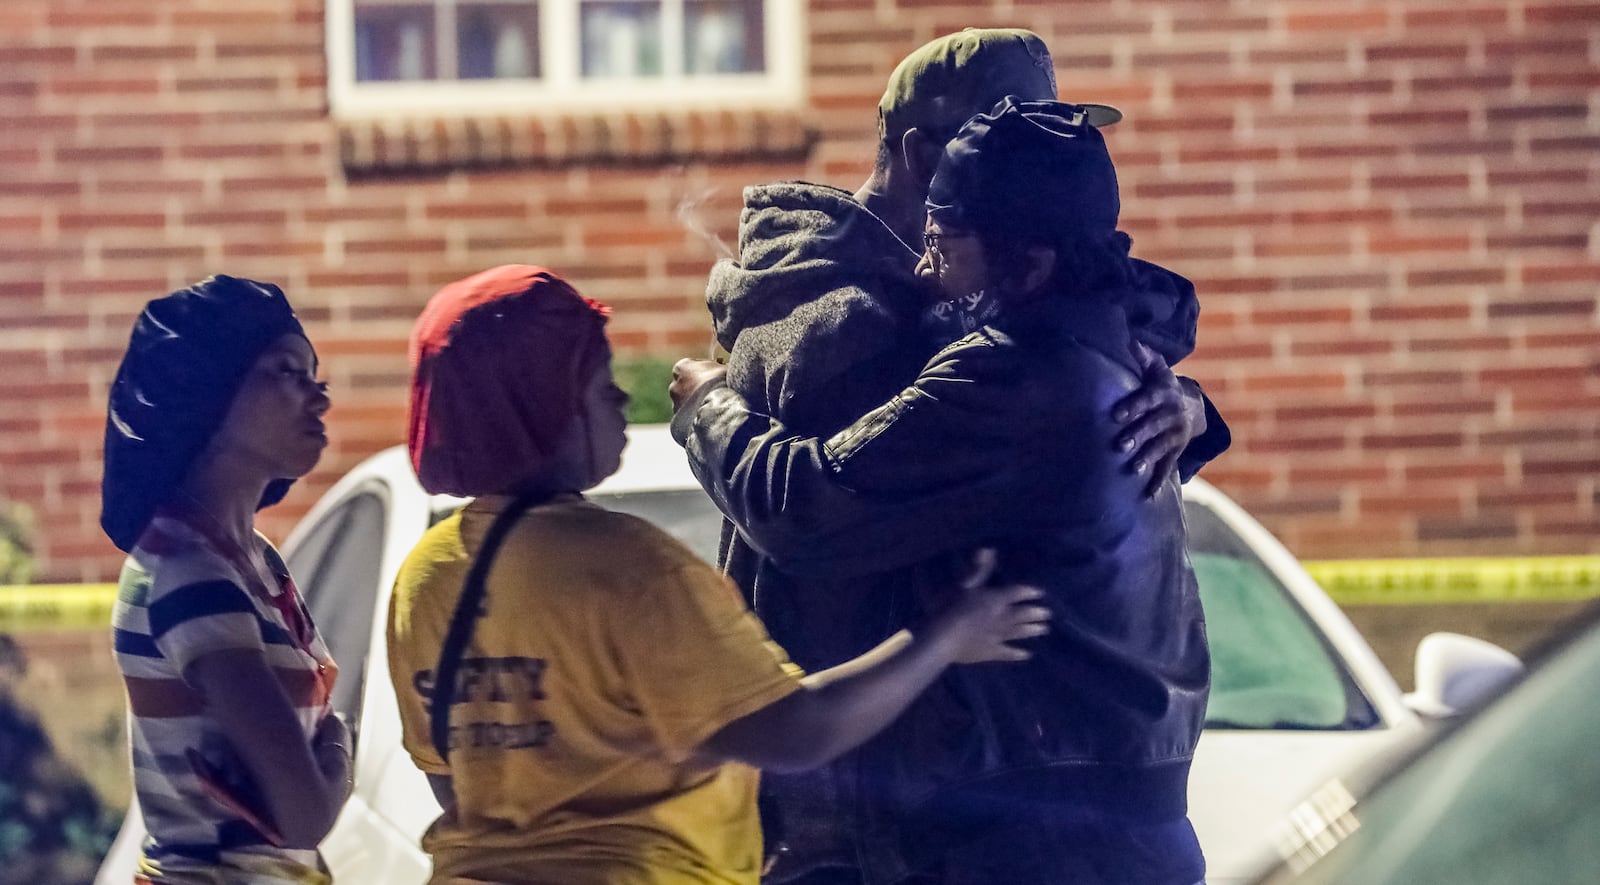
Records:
x=179, y=599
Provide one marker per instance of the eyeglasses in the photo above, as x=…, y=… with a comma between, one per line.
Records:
x=930, y=241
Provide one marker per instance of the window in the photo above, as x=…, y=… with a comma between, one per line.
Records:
x=685, y=514
x=338, y=566
x=1270, y=665
x=505, y=55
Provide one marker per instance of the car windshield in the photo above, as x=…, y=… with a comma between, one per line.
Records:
x=1271, y=666
x=337, y=565
x=1508, y=797
x=685, y=514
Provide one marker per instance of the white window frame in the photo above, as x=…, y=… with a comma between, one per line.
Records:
x=562, y=89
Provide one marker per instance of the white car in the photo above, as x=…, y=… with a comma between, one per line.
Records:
x=1297, y=695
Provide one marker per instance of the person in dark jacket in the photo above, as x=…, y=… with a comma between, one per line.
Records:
x=824, y=319
x=1073, y=769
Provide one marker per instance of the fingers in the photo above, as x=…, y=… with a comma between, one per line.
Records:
x=1158, y=456
x=1018, y=593
x=1164, y=469
x=693, y=365
x=1157, y=387
x=678, y=390
x=688, y=374
x=1020, y=621
x=1030, y=614
x=1028, y=630
x=1149, y=438
x=981, y=568
x=997, y=616
x=684, y=373
x=1011, y=603
x=1135, y=405
x=1159, y=426
x=1145, y=356
x=1153, y=397
x=1150, y=362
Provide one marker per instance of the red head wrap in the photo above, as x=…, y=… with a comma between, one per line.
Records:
x=499, y=363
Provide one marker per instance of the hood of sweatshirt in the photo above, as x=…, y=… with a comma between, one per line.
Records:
x=820, y=288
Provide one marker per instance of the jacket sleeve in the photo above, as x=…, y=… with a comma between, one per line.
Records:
x=1164, y=313
x=1205, y=448
x=933, y=469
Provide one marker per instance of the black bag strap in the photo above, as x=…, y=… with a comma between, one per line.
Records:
x=465, y=618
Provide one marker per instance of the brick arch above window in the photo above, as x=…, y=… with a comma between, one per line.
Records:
x=370, y=147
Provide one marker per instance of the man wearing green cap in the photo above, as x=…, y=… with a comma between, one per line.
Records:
x=931, y=93
x=824, y=320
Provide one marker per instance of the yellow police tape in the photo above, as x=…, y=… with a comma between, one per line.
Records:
x=1348, y=581
x=1458, y=579
x=38, y=607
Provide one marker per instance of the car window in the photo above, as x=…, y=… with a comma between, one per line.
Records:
x=686, y=514
x=338, y=566
x=1270, y=665
x=1508, y=797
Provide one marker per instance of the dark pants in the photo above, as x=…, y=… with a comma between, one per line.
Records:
x=1046, y=852
x=1075, y=853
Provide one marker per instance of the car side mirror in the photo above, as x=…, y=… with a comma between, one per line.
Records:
x=1455, y=672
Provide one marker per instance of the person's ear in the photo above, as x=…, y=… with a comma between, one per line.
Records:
x=921, y=155
x=1039, y=265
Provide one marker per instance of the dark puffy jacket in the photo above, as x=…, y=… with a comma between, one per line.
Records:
x=855, y=536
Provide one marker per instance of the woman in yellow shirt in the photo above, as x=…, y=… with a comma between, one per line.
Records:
x=608, y=713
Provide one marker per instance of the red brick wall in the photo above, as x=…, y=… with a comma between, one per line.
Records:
x=1389, y=207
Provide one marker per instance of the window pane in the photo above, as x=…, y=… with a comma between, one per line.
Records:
x=686, y=514
x=723, y=36
x=394, y=42
x=338, y=567
x=498, y=40
x=621, y=39
x=1270, y=665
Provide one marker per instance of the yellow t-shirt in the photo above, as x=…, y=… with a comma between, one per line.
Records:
x=609, y=653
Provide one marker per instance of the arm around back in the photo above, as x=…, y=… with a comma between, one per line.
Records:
x=839, y=708
x=927, y=472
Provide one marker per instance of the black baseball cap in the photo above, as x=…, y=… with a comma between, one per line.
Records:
x=1030, y=167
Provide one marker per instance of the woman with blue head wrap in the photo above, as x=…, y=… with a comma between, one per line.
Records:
x=239, y=767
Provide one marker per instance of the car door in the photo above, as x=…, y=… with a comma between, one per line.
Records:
x=344, y=556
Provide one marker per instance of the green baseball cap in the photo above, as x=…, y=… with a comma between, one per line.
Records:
x=948, y=80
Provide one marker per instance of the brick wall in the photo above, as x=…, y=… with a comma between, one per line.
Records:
x=1389, y=207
